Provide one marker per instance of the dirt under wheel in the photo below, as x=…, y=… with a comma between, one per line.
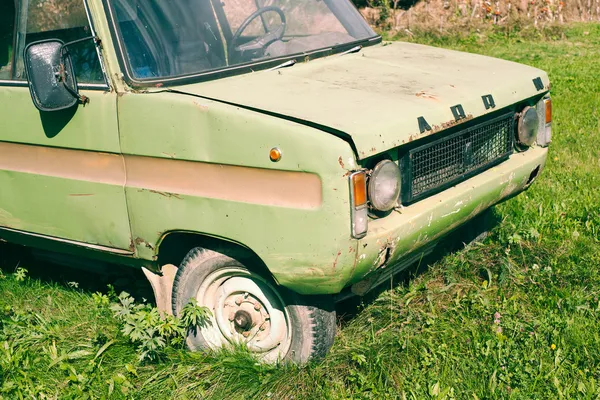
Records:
x=246, y=307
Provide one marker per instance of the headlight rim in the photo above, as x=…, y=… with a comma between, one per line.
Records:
x=378, y=209
x=520, y=142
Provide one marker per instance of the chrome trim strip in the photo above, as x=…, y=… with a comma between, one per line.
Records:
x=94, y=86
x=70, y=242
x=85, y=86
x=6, y=82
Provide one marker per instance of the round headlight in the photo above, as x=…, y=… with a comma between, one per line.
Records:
x=528, y=126
x=384, y=185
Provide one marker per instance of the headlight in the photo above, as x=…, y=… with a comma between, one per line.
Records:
x=528, y=126
x=384, y=185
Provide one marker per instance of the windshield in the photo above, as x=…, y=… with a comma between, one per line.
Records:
x=163, y=39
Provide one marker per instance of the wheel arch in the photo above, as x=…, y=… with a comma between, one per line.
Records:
x=172, y=248
x=174, y=245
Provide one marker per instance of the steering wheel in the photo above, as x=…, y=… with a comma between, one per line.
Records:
x=256, y=48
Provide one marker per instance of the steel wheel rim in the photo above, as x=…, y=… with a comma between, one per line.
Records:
x=245, y=309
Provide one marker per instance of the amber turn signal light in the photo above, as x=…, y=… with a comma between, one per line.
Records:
x=275, y=154
x=359, y=187
x=548, y=104
x=358, y=200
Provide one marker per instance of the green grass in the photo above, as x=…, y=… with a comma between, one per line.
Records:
x=514, y=317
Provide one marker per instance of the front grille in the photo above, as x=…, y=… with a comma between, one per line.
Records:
x=435, y=166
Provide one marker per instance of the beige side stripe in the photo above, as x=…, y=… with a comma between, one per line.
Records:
x=227, y=182
x=63, y=163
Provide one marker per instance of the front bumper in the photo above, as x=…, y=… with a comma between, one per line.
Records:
x=396, y=237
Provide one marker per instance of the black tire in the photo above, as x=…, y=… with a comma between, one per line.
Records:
x=310, y=320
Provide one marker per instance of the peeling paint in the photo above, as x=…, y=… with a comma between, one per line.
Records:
x=450, y=213
x=509, y=179
x=202, y=107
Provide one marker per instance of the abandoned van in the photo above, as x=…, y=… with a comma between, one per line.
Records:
x=264, y=157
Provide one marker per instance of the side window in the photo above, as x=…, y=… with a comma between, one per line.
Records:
x=65, y=20
x=7, y=38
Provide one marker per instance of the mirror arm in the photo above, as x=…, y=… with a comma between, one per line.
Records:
x=83, y=99
x=96, y=40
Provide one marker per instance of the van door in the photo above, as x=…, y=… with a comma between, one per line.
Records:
x=61, y=172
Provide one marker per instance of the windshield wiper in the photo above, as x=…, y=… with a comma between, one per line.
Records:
x=288, y=63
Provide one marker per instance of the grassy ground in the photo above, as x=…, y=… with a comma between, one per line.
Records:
x=514, y=317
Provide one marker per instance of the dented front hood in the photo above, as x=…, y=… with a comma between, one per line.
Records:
x=376, y=96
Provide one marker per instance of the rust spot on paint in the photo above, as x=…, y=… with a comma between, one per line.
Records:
x=166, y=194
x=426, y=95
x=336, y=259
x=140, y=241
x=341, y=162
x=450, y=124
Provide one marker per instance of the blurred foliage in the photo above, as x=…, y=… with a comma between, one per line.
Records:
x=50, y=15
x=446, y=16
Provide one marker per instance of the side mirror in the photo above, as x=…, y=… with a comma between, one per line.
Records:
x=52, y=82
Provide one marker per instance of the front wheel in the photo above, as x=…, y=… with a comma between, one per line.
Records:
x=249, y=308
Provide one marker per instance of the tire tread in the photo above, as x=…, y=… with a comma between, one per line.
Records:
x=318, y=310
x=322, y=332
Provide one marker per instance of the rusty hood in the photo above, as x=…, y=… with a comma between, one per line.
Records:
x=376, y=96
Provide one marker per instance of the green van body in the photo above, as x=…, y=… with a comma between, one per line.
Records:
x=137, y=169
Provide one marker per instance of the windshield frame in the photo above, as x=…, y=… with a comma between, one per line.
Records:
x=225, y=71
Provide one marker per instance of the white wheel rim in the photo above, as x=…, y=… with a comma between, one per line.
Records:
x=247, y=309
